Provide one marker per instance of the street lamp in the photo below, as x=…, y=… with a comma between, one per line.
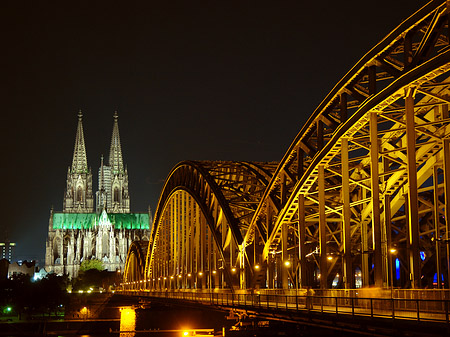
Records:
x=393, y=252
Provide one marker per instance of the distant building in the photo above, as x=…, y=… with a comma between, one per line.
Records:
x=104, y=231
x=25, y=267
x=4, y=265
x=7, y=250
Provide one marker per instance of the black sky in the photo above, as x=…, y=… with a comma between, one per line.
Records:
x=191, y=80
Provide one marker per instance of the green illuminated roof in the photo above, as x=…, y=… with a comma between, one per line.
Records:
x=91, y=220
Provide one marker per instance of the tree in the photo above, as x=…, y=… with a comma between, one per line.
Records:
x=91, y=264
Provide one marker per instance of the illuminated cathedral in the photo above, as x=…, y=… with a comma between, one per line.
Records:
x=105, y=231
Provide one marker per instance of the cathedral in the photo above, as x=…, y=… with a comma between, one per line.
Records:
x=103, y=231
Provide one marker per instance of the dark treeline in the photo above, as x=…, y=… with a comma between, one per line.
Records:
x=27, y=298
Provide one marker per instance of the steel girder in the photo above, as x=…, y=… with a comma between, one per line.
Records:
x=133, y=274
x=202, y=216
x=355, y=182
x=367, y=173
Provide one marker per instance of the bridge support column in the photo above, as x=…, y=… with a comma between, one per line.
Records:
x=322, y=230
x=347, y=258
x=301, y=242
x=376, y=223
x=413, y=202
x=285, y=263
x=447, y=201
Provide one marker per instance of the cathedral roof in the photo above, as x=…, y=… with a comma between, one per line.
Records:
x=79, y=161
x=92, y=220
x=115, y=152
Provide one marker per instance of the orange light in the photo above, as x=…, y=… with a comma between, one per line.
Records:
x=329, y=258
x=233, y=269
x=200, y=274
x=257, y=267
x=214, y=272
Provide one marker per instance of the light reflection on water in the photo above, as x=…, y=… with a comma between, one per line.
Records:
x=127, y=321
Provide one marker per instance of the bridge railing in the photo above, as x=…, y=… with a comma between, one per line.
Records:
x=417, y=309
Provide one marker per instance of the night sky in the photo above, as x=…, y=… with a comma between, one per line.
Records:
x=191, y=80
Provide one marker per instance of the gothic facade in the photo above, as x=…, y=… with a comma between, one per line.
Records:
x=104, y=232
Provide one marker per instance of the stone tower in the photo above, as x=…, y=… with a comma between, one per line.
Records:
x=78, y=197
x=80, y=232
x=112, y=194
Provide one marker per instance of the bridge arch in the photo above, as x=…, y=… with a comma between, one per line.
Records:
x=358, y=185
x=364, y=184
x=201, y=219
x=133, y=276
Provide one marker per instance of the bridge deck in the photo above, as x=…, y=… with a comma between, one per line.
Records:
x=395, y=308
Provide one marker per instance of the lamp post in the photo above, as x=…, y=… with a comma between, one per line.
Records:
x=392, y=252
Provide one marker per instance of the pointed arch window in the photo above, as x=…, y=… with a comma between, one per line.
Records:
x=79, y=194
x=116, y=195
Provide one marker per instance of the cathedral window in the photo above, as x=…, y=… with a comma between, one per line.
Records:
x=79, y=194
x=116, y=194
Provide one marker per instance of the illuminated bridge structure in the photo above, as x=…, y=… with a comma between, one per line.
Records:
x=360, y=198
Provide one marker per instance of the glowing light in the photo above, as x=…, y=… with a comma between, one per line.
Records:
x=171, y=277
x=287, y=263
x=179, y=276
x=329, y=258
x=422, y=256
x=214, y=272
x=127, y=319
x=189, y=275
x=392, y=250
x=200, y=273
x=257, y=267
x=165, y=278
x=185, y=333
x=233, y=269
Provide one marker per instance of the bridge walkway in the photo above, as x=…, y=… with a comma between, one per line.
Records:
x=393, y=308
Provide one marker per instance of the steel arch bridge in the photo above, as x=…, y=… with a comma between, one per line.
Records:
x=360, y=197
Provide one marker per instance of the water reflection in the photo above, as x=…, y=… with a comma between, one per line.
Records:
x=127, y=321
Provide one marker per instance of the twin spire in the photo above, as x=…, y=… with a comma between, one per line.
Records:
x=79, y=161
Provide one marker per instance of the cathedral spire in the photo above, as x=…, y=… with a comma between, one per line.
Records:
x=115, y=152
x=79, y=162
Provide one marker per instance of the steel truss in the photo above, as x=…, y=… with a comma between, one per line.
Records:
x=202, y=216
x=135, y=264
x=368, y=174
x=364, y=183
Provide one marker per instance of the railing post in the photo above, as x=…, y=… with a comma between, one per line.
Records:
x=446, y=311
x=286, y=303
x=321, y=304
x=418, y=310
x=353, y=307
x=371, y=308
x=296, y=302
x=336, y=299
x=393, y=308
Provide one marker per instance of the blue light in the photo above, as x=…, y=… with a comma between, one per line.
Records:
x=435, y=278
x=397, y=269
x=422, y=256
